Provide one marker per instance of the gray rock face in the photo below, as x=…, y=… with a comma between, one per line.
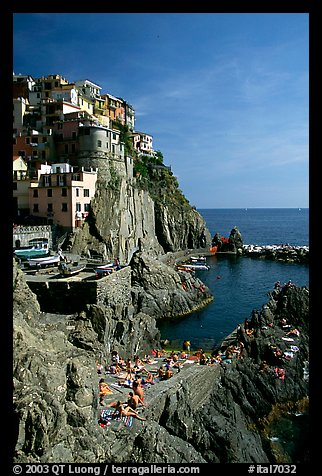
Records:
x=128, y=215
x=161, y=291
x=202, y=414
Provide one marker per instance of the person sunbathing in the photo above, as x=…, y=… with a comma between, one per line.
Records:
x=104, y=390
x=138, y=389
x=294, y=332
x=134, y=401
x=127, y=411
x=160, y=373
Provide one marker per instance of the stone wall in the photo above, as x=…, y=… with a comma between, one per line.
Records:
x=26, y=233
x=73, y=296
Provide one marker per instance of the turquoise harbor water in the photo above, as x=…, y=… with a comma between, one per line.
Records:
x=241, y=284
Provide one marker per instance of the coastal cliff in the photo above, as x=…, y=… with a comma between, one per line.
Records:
x=147, y=213
x=56, y=387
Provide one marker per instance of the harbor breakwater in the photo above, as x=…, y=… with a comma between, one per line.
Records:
x=286, y=252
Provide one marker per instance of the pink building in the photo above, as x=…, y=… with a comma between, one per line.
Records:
x=62, y=195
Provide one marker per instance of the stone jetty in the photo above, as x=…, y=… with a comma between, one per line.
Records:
x=288, y=253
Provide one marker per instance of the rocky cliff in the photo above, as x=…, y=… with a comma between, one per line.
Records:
x=139, y=213
x=219, y=413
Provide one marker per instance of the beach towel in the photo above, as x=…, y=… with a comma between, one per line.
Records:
x=109, y=416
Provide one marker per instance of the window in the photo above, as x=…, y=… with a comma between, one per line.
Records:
x=49, y=192
x=64, y=207
x=61, y=179
x=77, y=192
x=35, y=208
x=78, y=207
x=49, y=207
x=114, y=136
x=86, y=207
x=86, y=192
x=47, y=181
x=64, y=192
x=99, y=143
x=107, y=145
x=35, y=193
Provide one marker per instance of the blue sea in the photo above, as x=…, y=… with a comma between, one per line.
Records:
x=241, y=284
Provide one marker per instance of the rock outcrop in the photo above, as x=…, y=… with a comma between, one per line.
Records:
x=161, y=291
x=233, y=244
x=202, y=414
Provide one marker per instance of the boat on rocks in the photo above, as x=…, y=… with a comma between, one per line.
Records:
x=43, y=262
x=104, y=270
x=69, y=270
x=37, y=250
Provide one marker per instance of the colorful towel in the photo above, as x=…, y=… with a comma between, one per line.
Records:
x=109, y=416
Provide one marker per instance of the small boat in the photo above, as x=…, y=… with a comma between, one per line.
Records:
x=198, y=259
x=36, y=251
x=44, y=261
x=184, y=268
x=104, y=270
x=67, y=270
x=188, y=267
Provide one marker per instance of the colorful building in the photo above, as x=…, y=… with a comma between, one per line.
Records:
x=62, y=195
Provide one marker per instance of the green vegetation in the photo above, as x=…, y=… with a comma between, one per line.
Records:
x=159, y=180
x=125, y=137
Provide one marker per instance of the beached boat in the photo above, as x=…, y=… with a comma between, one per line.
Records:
x=38, y=250
x=44, y=261
x=68, y=270
x=104, y=270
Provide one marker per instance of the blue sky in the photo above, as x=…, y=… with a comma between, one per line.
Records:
x=224, y=95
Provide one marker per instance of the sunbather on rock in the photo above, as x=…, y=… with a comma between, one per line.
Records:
x=104, y=390
x=125, y=411
x=134, y=401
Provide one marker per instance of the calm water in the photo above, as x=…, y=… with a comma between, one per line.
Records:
x=241, y=284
